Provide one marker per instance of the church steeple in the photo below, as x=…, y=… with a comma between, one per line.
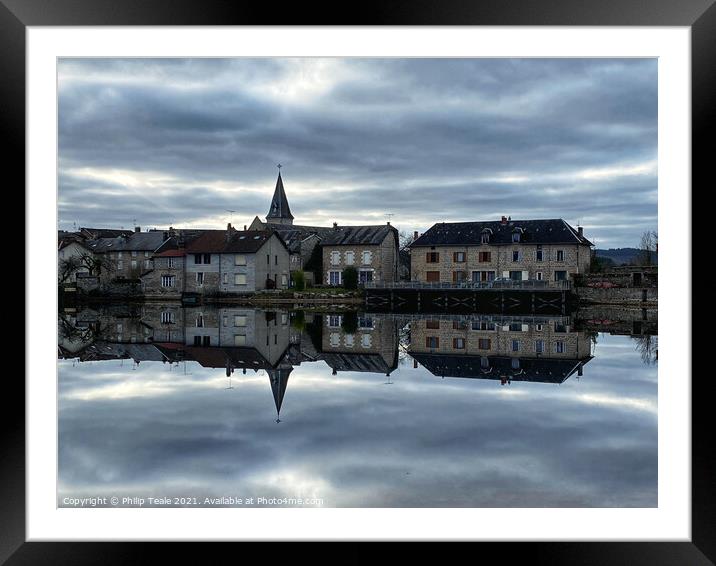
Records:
x=279, y=212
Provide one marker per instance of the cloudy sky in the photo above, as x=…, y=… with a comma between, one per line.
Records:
x=182, y=141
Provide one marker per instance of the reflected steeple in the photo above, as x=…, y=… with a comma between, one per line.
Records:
x=279, y=382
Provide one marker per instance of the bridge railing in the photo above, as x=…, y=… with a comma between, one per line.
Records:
x=528, y=284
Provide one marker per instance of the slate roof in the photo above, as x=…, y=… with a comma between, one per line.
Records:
x=137, y=241
x=279, y=203
x=293, y=236
x=553, y=231
x=371, y=363
x=105, y=232
x=543, y=370
x=244, y=241
x=357, y=235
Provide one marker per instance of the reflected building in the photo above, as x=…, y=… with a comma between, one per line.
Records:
x=360, y=342
x=540, y=349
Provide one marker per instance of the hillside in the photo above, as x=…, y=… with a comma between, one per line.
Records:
x=623, y=256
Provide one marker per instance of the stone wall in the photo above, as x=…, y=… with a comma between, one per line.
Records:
x=576, y=261
x=618, y=295
x=383, y=260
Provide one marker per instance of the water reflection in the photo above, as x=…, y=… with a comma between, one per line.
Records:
x=140, y=378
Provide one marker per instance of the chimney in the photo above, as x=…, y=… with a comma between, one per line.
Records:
x=335, y=225
x=137, y=229
x=388, y=223
x=180, y=240
x=229, y=230
x=244, y=227
x=503, y=220
x=580, y=231
x=580, y=370
x=416, y=235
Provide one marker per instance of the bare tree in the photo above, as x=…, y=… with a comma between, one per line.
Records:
x=67, y=267
x=648, y=247
x=648, y=348
x=96, y=264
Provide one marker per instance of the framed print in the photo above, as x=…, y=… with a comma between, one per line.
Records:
x=389, y=279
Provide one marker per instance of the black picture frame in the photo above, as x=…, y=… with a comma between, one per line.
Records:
x=17, y=15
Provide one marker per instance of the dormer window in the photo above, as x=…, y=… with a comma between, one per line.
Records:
x=516, y=237
x=485, y=236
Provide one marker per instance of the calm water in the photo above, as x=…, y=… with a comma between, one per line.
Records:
x=355, y=410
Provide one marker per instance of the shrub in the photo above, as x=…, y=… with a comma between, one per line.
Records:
x=299, y=280
x=350, y=277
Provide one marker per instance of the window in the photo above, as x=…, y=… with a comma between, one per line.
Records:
x=432, y=257
x=350, y=258
x=275, y=260
x=432, y=324
x=485, y=238
x=366, y=340
x=515, y=345
x=365, y=322
x=348, y=340
x=561, y=328
x=225, y=320
x=167, y=317
x=225, y=278
x=120, y=265
x=516, y=237
x=197, y=340
x=199, y=320
x=239, y=320
x=239, y=259
x=458, y=343
x=484, y=257
x=432, y=342
x=515, y=327
x=134, y=253
x=268, y=259
x=560, y=275
x=484, y=343
x=515, y=363
x=540, y=276
x=146, y=254
x=284, y=280
x=239, y=339
x=334, y=321
x=367, y=258
x=168, y=280
x=147, y=264
x=539, y=346
x=197, y=259
x=335, y=339
x=483, y=325
x=515, y=255
x=559, y=347
x=119, y=327
x=459, y=325
x=240, y=279
x=119, y=255
x=459, y=276
x=365, y=275
x=560, y=255
x=334, y=277
x=485, y=362
x=432, y=276
x=458, y=257
x=170, y=262
x=516, y=275
x=207, y=258
x=539, y=254
x=206, y=341
x=199, y=277
x=134, y=264
x=335, y=258
x=482, y=276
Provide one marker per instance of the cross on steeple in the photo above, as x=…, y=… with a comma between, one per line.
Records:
x=279, y=167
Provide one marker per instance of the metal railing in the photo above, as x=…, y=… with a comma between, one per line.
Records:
x=528, y=284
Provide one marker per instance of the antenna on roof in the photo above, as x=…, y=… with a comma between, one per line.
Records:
x=389, y=216
x=231, y=212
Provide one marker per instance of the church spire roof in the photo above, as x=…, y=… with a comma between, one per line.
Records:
x=279, y=210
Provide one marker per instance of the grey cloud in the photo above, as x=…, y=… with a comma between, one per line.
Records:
x=405, y=130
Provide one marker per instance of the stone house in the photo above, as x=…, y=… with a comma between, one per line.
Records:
x=541, y=250
x=547, y=350
x=372, y=250
x=373, y=347
x=234, y=262
x=130, y=256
